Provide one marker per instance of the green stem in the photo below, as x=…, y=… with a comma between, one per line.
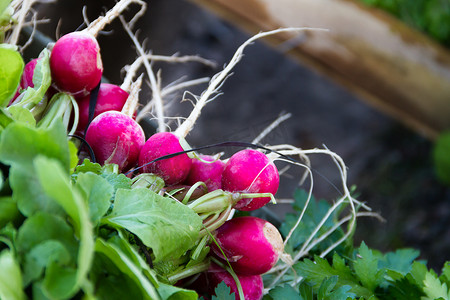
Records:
x=59, y=107
x=215, y=201
x=192, y=270
x=229, y=269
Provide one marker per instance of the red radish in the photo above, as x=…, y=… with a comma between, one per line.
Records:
x=209, y=173
x=75, y=63
x=27, y=78
x=110, y=97
x=252, y=285
x=250, y=171
x=27, y=75
x=173, y=170
x=115, y=138
x=251, y=245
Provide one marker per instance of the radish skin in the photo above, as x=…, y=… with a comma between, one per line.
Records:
x=76, y=64
x=27, y=78
x=115, y=138
x=252, y=285
x=250, y=171
x=173, y=170
x=28, y=72
x=110, y=97
x=251, y=245
x=207, y=169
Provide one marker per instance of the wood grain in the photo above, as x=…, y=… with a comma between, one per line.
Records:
x=393, y=67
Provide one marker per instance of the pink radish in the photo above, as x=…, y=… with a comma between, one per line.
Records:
x=173, y=170
x=207, y=169
x=251, y=245
x=252, y=285
x=115, y=138
x=250, y=171
x=75, y=63
x=27, y=78
x=110, y=97
x=28, y=72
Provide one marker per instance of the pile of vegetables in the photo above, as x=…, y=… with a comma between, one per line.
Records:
x=91, y=208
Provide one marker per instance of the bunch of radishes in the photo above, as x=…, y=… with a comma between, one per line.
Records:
x=246, y=181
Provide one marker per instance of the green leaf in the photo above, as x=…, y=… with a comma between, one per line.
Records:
x=109, y=172
x=126, y=266
x=163, y=224
x=401, y=260
x=223, y=292
x=42, y=79
x=5, y=118
x=110, y=282
x=171, y=292
x=56, y=183
x=98, y=193
x=11, y=68
x=315, y=272
x=445, y=277
x=441, y=157
x=315, y=212
x=8, y=236
x=306, y=291
x=41, y=256
x=285, y=292
x=22, y=114
x=434, y=288
x=10, y=277
x=418, y=273
x=41, y=235
x=403, y=288
x=8, y=210
x=366, y=268
x=19, y=145
x=327, y=290
x=127, y=249
x=73, y=153
x=42, y=227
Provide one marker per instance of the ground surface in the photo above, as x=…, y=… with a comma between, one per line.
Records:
x=390, y=165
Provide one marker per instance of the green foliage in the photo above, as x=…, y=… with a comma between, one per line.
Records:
x=367, y=274
x=163, y=224
x=10, y=277
x=223, y=292
x=56, y=244
x=314, y=213
x=429, y=16
x=11, y=68
x=441, y=157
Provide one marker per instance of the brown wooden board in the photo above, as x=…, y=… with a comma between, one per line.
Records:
x=393, y=67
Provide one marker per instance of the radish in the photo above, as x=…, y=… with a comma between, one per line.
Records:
x=173, y=170
x=251, y=245
x=207, y=169
x=75, y=63
x=27, y=78
x=110, y=97
x=115, y=137
x=27, y=75
x=250, y=171
x=252, y=285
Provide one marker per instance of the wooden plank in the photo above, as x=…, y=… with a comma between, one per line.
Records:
x=395, y=68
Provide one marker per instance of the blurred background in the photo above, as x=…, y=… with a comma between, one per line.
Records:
x=389, y=163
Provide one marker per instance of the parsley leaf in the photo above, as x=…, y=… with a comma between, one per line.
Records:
x=223, y=292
